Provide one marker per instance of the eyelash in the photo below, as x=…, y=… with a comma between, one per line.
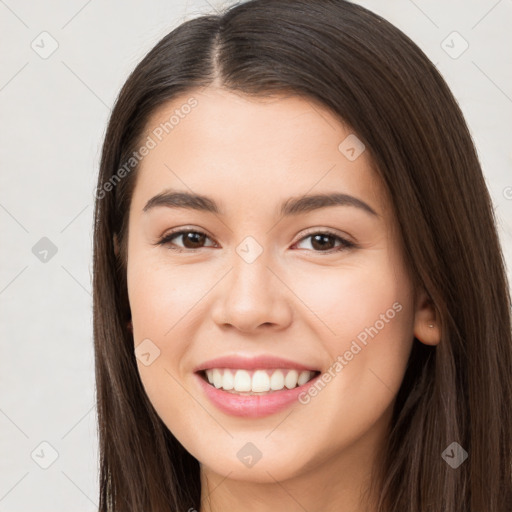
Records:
x=166, y=240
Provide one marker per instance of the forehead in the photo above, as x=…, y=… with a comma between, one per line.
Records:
x=255, y=151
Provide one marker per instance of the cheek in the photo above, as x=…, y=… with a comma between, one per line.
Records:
x=162, y=303
x=363, y=317
x=161, y=296
x=342, y=302
x=158, y=298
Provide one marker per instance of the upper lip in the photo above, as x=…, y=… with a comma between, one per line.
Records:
x=252, y=363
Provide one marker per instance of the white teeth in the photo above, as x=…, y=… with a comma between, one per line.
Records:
x=290, y=381
x=260, y=381
x=257, y=381
x=277, y=380
x=228, y=381
x=217, y=378
x=303, y=378
x=242, y=381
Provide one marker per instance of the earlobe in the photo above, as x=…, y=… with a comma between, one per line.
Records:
x=426, y=324
x=427, y=332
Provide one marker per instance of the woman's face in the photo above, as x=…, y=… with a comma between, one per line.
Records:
x=277, y=284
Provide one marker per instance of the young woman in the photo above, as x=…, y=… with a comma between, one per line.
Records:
x=300, y=300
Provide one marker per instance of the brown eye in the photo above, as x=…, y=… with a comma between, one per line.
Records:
x=326, y=242
x=191, y=240
x=323, y=242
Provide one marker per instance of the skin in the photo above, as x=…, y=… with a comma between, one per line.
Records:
x=294, y=301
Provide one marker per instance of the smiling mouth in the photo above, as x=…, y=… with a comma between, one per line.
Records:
x=256, y=382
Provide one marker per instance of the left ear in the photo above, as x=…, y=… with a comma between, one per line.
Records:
x=426, y=324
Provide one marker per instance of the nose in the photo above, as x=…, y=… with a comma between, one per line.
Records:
x=253, y=296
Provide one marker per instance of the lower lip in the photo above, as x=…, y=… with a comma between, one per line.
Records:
x=252, y=406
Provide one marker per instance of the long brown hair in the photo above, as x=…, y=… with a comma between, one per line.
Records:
x=383, y=86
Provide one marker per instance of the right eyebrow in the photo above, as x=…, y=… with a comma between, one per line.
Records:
x=172, y=199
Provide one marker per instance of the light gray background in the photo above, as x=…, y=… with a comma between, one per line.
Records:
x=53, y=117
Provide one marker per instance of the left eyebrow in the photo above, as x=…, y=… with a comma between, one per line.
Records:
x=303, y=204
x=292, y=206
